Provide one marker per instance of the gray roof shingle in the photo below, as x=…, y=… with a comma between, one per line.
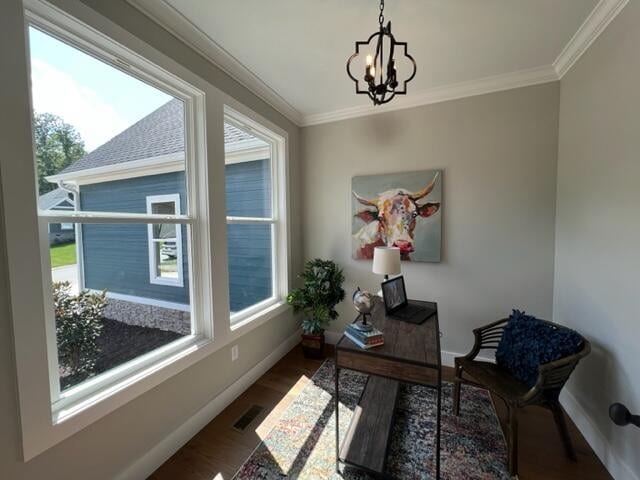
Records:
x=159, y=133
x=53, y=198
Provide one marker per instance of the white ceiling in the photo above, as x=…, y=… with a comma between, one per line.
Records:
x=293, y=52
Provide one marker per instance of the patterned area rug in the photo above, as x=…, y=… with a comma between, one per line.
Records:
x=302, y=444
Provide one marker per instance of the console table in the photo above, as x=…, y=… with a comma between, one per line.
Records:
x=410, y=354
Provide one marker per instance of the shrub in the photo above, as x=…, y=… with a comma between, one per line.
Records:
x=317, y=298
x=78, y=326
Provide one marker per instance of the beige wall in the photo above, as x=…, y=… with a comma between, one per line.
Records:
x=598, y=231
x=498, y=153
x=110, y=445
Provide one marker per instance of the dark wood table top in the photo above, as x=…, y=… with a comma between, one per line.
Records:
x=403, y=341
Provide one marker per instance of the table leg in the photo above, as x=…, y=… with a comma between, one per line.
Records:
x=438, y=416
x=337, y=406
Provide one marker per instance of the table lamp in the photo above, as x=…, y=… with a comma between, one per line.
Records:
x=386, y=261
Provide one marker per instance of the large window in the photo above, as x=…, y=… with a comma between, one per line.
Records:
x=256, y=234
x=111, y=269
x=119, y=146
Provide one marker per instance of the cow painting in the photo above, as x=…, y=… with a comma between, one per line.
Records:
x=390, y=218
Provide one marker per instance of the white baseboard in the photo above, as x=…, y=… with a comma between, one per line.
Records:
x=161, y=452
x=447, y=357
x=596, y=439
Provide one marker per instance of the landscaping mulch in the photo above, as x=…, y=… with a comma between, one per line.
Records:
x=118, y=343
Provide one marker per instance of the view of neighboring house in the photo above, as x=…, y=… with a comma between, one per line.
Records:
x=144, y=268
x=58, y=199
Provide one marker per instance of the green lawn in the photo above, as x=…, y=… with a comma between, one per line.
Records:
x=62, y=255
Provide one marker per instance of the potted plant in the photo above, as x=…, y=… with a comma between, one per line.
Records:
x=317, y=298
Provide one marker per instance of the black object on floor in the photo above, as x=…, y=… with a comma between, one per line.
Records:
x=249, y=416
x=622, y=416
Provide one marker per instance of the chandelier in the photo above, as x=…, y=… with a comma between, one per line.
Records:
x=380, y=70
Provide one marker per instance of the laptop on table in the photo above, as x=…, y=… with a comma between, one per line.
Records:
x=397, y=306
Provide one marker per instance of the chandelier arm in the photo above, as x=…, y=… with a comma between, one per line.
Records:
x=387, y=100
x=381, y=54
x=413, y=62
x=349, y=64
x=391, y=63
x=384, y=91
x=378, y=50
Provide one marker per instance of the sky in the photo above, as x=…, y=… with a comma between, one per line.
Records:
x=99, y=100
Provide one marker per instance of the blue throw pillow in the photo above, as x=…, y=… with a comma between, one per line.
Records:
x=528, y=342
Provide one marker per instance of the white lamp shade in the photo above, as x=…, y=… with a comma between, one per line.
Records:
x=386, y=260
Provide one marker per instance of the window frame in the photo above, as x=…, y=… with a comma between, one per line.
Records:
x=277, y=146
x=49, y=415
x=65, y=403
x=45, y=419
x=154, y=263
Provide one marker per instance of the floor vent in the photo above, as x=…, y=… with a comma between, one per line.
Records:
x=249, y=416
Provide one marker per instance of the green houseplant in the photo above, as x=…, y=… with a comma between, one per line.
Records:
x=317, y=299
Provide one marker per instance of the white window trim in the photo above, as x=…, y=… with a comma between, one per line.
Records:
x=47, y=415
x=276, y=150
x=67, y=402
x=154, y=278
x=171, y=162
x=41, y=426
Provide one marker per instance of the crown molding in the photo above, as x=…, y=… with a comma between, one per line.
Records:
x=603, y=13
x=496, y=83
x=182, y=28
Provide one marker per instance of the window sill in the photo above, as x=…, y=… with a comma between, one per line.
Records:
x=152, y=369
x=245, y=324
x=83, y=405
x=103, y=397
x=166, y=282
x=91, y=392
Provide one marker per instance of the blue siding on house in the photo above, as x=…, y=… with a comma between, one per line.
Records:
x=130, y=195
x=116, y=257
x=248, y=194
x=249, y=248
x=248, y=189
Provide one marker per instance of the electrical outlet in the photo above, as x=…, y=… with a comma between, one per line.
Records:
x=234, y=353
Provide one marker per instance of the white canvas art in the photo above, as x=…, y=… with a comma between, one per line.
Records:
x=401, y=210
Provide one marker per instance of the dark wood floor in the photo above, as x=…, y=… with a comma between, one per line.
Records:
x=218, y=450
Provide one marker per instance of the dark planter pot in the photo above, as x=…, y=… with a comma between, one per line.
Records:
x=313, y=345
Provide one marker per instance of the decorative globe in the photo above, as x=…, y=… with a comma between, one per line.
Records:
x=363, y=301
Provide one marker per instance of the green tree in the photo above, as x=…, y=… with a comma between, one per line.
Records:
x=58, y=145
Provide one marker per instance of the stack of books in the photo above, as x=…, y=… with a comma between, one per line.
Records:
x=370, y=339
